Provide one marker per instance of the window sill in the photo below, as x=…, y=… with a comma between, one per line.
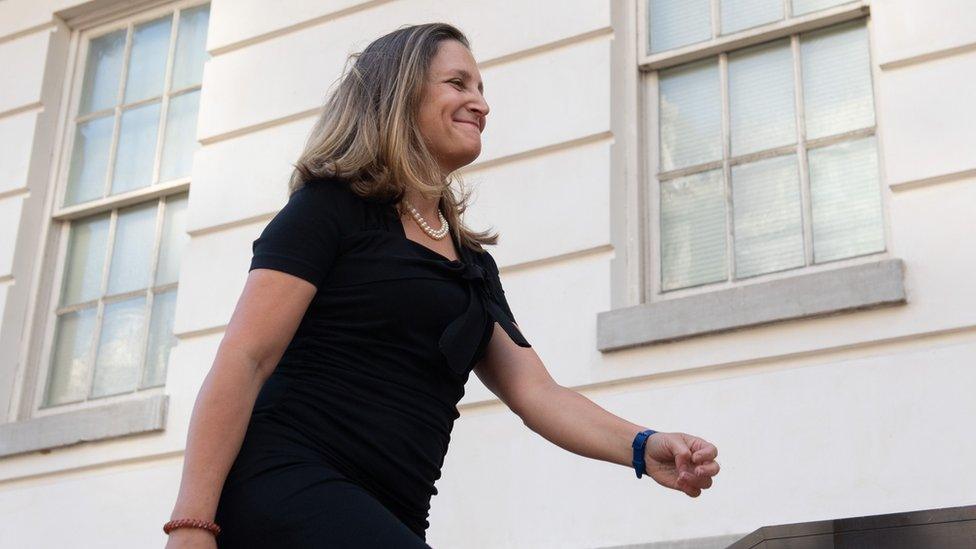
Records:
x=864, y=286
x=96, y=423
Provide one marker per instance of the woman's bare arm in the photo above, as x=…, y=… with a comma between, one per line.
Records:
x=263, y=323
x=575, y=423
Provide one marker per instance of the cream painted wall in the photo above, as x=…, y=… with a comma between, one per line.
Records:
x=815, y=419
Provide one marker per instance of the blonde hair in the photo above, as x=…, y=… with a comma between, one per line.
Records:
x=367, y=133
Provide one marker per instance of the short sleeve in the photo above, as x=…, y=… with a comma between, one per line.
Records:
x=495, y=284
x=303, y=237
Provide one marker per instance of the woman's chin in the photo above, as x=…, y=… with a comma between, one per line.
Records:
x=469, y=154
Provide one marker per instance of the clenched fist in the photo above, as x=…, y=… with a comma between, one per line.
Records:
x=681, y=462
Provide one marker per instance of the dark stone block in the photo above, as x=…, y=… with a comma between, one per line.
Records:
x=949, y=528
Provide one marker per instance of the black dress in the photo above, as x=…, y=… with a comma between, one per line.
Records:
x=365, y=395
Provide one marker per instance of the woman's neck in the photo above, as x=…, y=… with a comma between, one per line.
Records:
x=426, y=206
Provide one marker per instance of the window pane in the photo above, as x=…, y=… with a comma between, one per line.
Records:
x=767, y=216
x=691, y=115
x=118, y=365
x=161, y=338
x=181, y=136
x=801, y=7
x=89, y=160
x=100, y=89
x=132, y=254
x=174, y=239
x=693, y=230
x=191, y=42
x=846, y=200
x=761, y=97
x=68, y=379
x=137, y=148
x=674, y=23
x=837, y=95
x=86, y=259
x=744, y=14
x=147, y=65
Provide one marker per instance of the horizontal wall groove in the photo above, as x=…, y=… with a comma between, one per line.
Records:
x=10, y=193
x=49, y=26
x=930, y=181
x=210, y=229
x=547, y=47
x=11, y=483
x=36, y=106
x=288, y=29
x=538, y=151
x=553, y=259
x=201, y=332
x=267, y=124
x=928, y=56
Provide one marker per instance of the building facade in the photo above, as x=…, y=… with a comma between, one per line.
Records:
x=750, y=220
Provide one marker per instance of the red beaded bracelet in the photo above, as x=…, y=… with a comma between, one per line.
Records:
x=191, y=523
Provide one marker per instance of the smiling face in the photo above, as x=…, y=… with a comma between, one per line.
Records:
x=453, y=110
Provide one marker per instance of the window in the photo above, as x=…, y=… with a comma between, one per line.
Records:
x=766, y=154
x=760, y=150
x=122, y=207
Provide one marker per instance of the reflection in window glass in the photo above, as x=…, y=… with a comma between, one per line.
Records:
x=161, y=338
x=761, y=99
x=191, y=42
x=120, y=347
x=86, y=260
x=103, y=68
x=767, y=216
x=675, y=23
x=691, y=115
x=693, y=230
x=837, y=94
x=132, y=252
x=147, y=62
x=89, y=160
x=70, y=362
x=739, y=15
x=174, y=239
x=137, y=148
x=180, y=141
x=846, y=200
x=802, y=7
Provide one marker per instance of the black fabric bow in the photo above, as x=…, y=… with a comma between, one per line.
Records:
x=460, y=340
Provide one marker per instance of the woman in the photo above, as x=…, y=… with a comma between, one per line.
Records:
x=326, y=416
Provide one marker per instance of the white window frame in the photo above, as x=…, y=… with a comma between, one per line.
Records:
x=142, y=410
x=642, y=313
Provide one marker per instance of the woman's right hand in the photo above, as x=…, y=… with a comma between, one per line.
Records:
x=191, y=538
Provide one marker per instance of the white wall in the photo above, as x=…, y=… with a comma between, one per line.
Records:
x=814, y=419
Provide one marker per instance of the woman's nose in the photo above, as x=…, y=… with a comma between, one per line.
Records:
x=481, y=106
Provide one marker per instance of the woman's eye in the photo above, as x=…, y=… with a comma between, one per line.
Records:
x=458, y=83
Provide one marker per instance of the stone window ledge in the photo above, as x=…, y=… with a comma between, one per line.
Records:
x=90, y=424
x=863, y=286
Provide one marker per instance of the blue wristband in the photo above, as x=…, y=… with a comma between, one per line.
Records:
x=640, y=441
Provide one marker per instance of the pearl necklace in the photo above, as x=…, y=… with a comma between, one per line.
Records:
x=436, y=235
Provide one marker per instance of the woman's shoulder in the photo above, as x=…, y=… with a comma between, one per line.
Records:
x=484, y=258
x=329, y=191
x=334, y=198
